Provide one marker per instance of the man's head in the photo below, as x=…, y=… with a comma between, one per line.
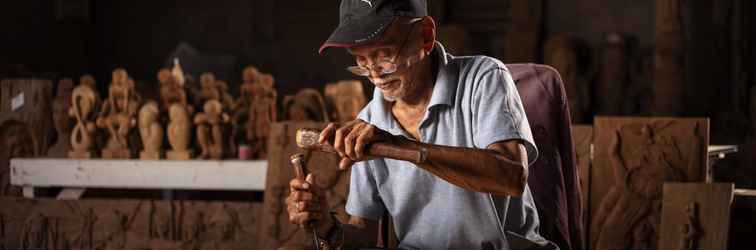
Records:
x=389, y=40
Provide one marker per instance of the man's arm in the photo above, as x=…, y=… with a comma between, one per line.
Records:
x=501, y=168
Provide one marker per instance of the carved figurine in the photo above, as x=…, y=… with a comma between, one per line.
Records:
x=306, y=105
x=210, y=131
x=691, y=229
x=346, y=99
x=255, y=111
x=171, y=91
x=613, y=78
x=178, y=133
x=84, y=99
x=151, y=131
x=61, y=119
x=117, y=117
x=209, y=90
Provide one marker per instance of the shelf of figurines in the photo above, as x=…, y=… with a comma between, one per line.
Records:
x=75, y=175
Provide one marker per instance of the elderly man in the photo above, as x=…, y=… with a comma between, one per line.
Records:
x=463, y=113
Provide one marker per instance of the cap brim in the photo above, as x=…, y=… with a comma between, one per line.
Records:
x=357, y=32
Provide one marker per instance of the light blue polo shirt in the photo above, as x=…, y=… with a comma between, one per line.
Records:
x=474, y=104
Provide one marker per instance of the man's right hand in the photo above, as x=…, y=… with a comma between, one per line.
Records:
x=307, y=203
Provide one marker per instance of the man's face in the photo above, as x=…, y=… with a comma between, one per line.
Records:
x=400, y=83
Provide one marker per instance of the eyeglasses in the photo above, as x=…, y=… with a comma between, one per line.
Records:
x=386, y=65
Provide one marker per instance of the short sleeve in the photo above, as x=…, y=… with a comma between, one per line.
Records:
x=498, y=114
x=364, y=199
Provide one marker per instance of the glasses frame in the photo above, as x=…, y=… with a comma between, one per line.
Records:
x=387, y=66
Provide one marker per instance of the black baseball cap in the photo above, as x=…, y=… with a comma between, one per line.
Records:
x=362, y=21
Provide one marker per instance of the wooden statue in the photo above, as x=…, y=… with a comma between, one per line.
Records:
x=346, y=99
x=151, y=131
x=178, y=133
x=613, y=78
x=209, y=130
x=171, y=90
x=668, y=59
x=61, y=119
x=560, y=54
x=306, y=105
x=634, y=157
x=262, y=113
x=117, y=115
x=210, y=90
x=84, y=99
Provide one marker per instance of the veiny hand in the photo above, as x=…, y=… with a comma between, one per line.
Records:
x=307, y=202
x=351, y=140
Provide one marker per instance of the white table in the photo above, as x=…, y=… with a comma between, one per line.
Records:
x=75, y=176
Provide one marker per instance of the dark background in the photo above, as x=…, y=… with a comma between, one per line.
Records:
x=68, y=38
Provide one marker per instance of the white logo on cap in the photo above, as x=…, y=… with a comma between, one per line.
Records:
x=368, y=2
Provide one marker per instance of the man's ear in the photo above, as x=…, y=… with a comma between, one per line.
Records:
x=428, y=31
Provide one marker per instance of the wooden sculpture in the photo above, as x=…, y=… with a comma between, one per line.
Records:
x=613, y=78
x=697, y=216
x=151, y=131
x=669, y=56
x=179, y=133
x=560, y=54
x=634, y=157
x=346, y=99
x=261, y=114
x=226, y=99
x=117, y=115
x=84, y=99
x=171, y=90
x=210, y=90
x=62, y=120
x=210, y=131
x=306, y=105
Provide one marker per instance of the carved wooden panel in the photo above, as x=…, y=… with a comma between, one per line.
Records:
x=278, y=231
x=582, y=136
x=127, y=224
x=633, y=157
x=30, y=99
x=695, y=216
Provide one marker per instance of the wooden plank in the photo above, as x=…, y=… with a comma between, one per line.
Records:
x=696, y=215
x=140, y=174
x=71, y=193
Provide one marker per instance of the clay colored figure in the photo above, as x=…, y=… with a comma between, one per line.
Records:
x=226, y=99
x=178, y=133
x=209, y=130
x=117, y=117
x=255, y=111
x=84, y=99
x=151, y=131
x=61, y=119
x=346, y=99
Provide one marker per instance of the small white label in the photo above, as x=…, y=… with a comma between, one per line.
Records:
x=17, y=102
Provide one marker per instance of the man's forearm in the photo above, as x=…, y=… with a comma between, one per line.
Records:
x=480, y=170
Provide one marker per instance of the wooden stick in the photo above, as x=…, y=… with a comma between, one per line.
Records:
x=308, y=139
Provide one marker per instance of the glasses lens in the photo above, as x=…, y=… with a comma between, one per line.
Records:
x=357, y=70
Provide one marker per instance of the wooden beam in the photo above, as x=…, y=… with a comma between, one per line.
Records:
x=139, y=174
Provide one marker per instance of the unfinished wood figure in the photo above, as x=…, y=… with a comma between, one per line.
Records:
x=179, y=129
x=559, y=52
x=118, y=114
x=210, y=130
x=634, y=157
x=171, y=90
x=345, y=99
x=151, y=131
x=84, y=99
x=210, y=90
x=62, y=121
